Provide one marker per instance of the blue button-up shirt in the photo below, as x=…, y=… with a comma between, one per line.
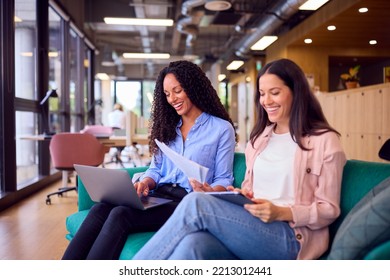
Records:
x=210, y=142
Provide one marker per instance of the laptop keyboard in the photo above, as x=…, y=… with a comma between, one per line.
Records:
x=147, y=202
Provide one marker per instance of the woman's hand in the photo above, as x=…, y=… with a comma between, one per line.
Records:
x=199, y=187
x=268, y=212
x=142, y=188
x=245, y=192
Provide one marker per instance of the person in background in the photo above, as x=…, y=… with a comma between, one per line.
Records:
x=294, y=165
x=188, y=116
x=117, y=118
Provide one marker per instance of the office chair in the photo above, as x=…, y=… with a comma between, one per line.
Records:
x=67, y=149
x=384, y=152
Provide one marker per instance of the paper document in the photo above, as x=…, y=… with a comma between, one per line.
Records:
x=190, y=168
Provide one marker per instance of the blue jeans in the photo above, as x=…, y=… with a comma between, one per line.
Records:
x=205, y=227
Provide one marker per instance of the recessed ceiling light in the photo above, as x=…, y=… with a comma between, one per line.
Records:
x=221, y=77
x=217, y=5
x=263, y=43
x=235, y=64
x=373, y=42
x=102, y=76
x=147, y=55
x=308, y=41
x=363, y=10
x=138, y=21
x=312, y=5
x=331, y=27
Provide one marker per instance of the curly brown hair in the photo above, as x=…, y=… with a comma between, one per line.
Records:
x=164, y=118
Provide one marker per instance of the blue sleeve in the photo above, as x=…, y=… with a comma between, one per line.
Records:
x=223, y=174
x=154, y=170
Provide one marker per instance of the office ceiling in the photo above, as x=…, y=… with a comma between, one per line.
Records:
x=210, y=36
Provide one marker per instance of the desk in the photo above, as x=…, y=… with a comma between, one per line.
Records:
x=112, y=141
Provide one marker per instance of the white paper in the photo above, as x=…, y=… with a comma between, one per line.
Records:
x=190, y=168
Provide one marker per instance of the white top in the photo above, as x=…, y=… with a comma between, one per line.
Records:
x=117, y=119
x=273, y=170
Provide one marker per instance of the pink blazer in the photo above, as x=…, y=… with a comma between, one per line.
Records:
x=317, y=183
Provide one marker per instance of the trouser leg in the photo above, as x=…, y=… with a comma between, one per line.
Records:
x=89, y=230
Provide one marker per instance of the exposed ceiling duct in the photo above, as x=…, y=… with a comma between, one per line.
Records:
x=276, y=16
x=189, y=22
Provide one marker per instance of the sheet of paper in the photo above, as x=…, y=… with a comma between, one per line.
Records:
x=190, y=168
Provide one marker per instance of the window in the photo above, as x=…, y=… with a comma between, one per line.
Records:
x=55, y=69
x=26, y=115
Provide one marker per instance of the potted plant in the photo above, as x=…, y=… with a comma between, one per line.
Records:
x=351, y=79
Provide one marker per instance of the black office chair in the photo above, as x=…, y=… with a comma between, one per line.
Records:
x=384, y=152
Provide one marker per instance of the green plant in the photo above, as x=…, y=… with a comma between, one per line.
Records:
x=351, y=75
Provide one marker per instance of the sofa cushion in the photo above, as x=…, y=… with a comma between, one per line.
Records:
x=359, y=177
x=366, y=226
x=133, y=243
x=74, y=221
x=381, y=252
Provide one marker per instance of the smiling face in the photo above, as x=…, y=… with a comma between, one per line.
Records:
x=177, y=97
x=276, y=99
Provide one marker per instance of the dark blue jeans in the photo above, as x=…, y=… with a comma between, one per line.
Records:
x=104, y=231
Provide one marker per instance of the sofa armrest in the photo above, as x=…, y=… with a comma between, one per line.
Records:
x=84, y=200
x=381, y=252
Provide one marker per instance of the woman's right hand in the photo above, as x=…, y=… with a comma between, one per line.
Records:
x=142, y=188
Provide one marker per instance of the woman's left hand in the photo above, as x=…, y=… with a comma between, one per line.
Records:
x=199, y=187
x=264, y=210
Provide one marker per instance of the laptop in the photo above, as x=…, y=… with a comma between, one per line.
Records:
x=114, y=186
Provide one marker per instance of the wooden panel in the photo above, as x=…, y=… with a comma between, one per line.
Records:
x=386, y=110
x=341, y=116
x=362, y=116
x=371, y=144
x=372, y=110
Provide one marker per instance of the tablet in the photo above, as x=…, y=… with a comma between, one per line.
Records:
x=233, y=197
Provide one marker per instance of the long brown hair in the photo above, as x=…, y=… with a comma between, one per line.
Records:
x=306, y=116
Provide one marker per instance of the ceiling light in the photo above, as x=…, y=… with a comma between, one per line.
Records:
x=312, y=5
x=221, y=77
x=53, y=54
x=102, y=76
x=147, y=55
x=26, y=54
x=373, y=42
x=235, y=64
x=308, y=41
x=217, y=5
x=363, y=10
x=331, y=27
x=139, y=21
x=263, y=43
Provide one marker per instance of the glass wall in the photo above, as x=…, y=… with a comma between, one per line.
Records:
x=36, y=35
x=26, y=120
x=55, y=69
x=73, y=61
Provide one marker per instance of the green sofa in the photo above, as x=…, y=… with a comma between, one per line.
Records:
x=359, y=178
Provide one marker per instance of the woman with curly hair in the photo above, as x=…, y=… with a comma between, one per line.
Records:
x=188, y=116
